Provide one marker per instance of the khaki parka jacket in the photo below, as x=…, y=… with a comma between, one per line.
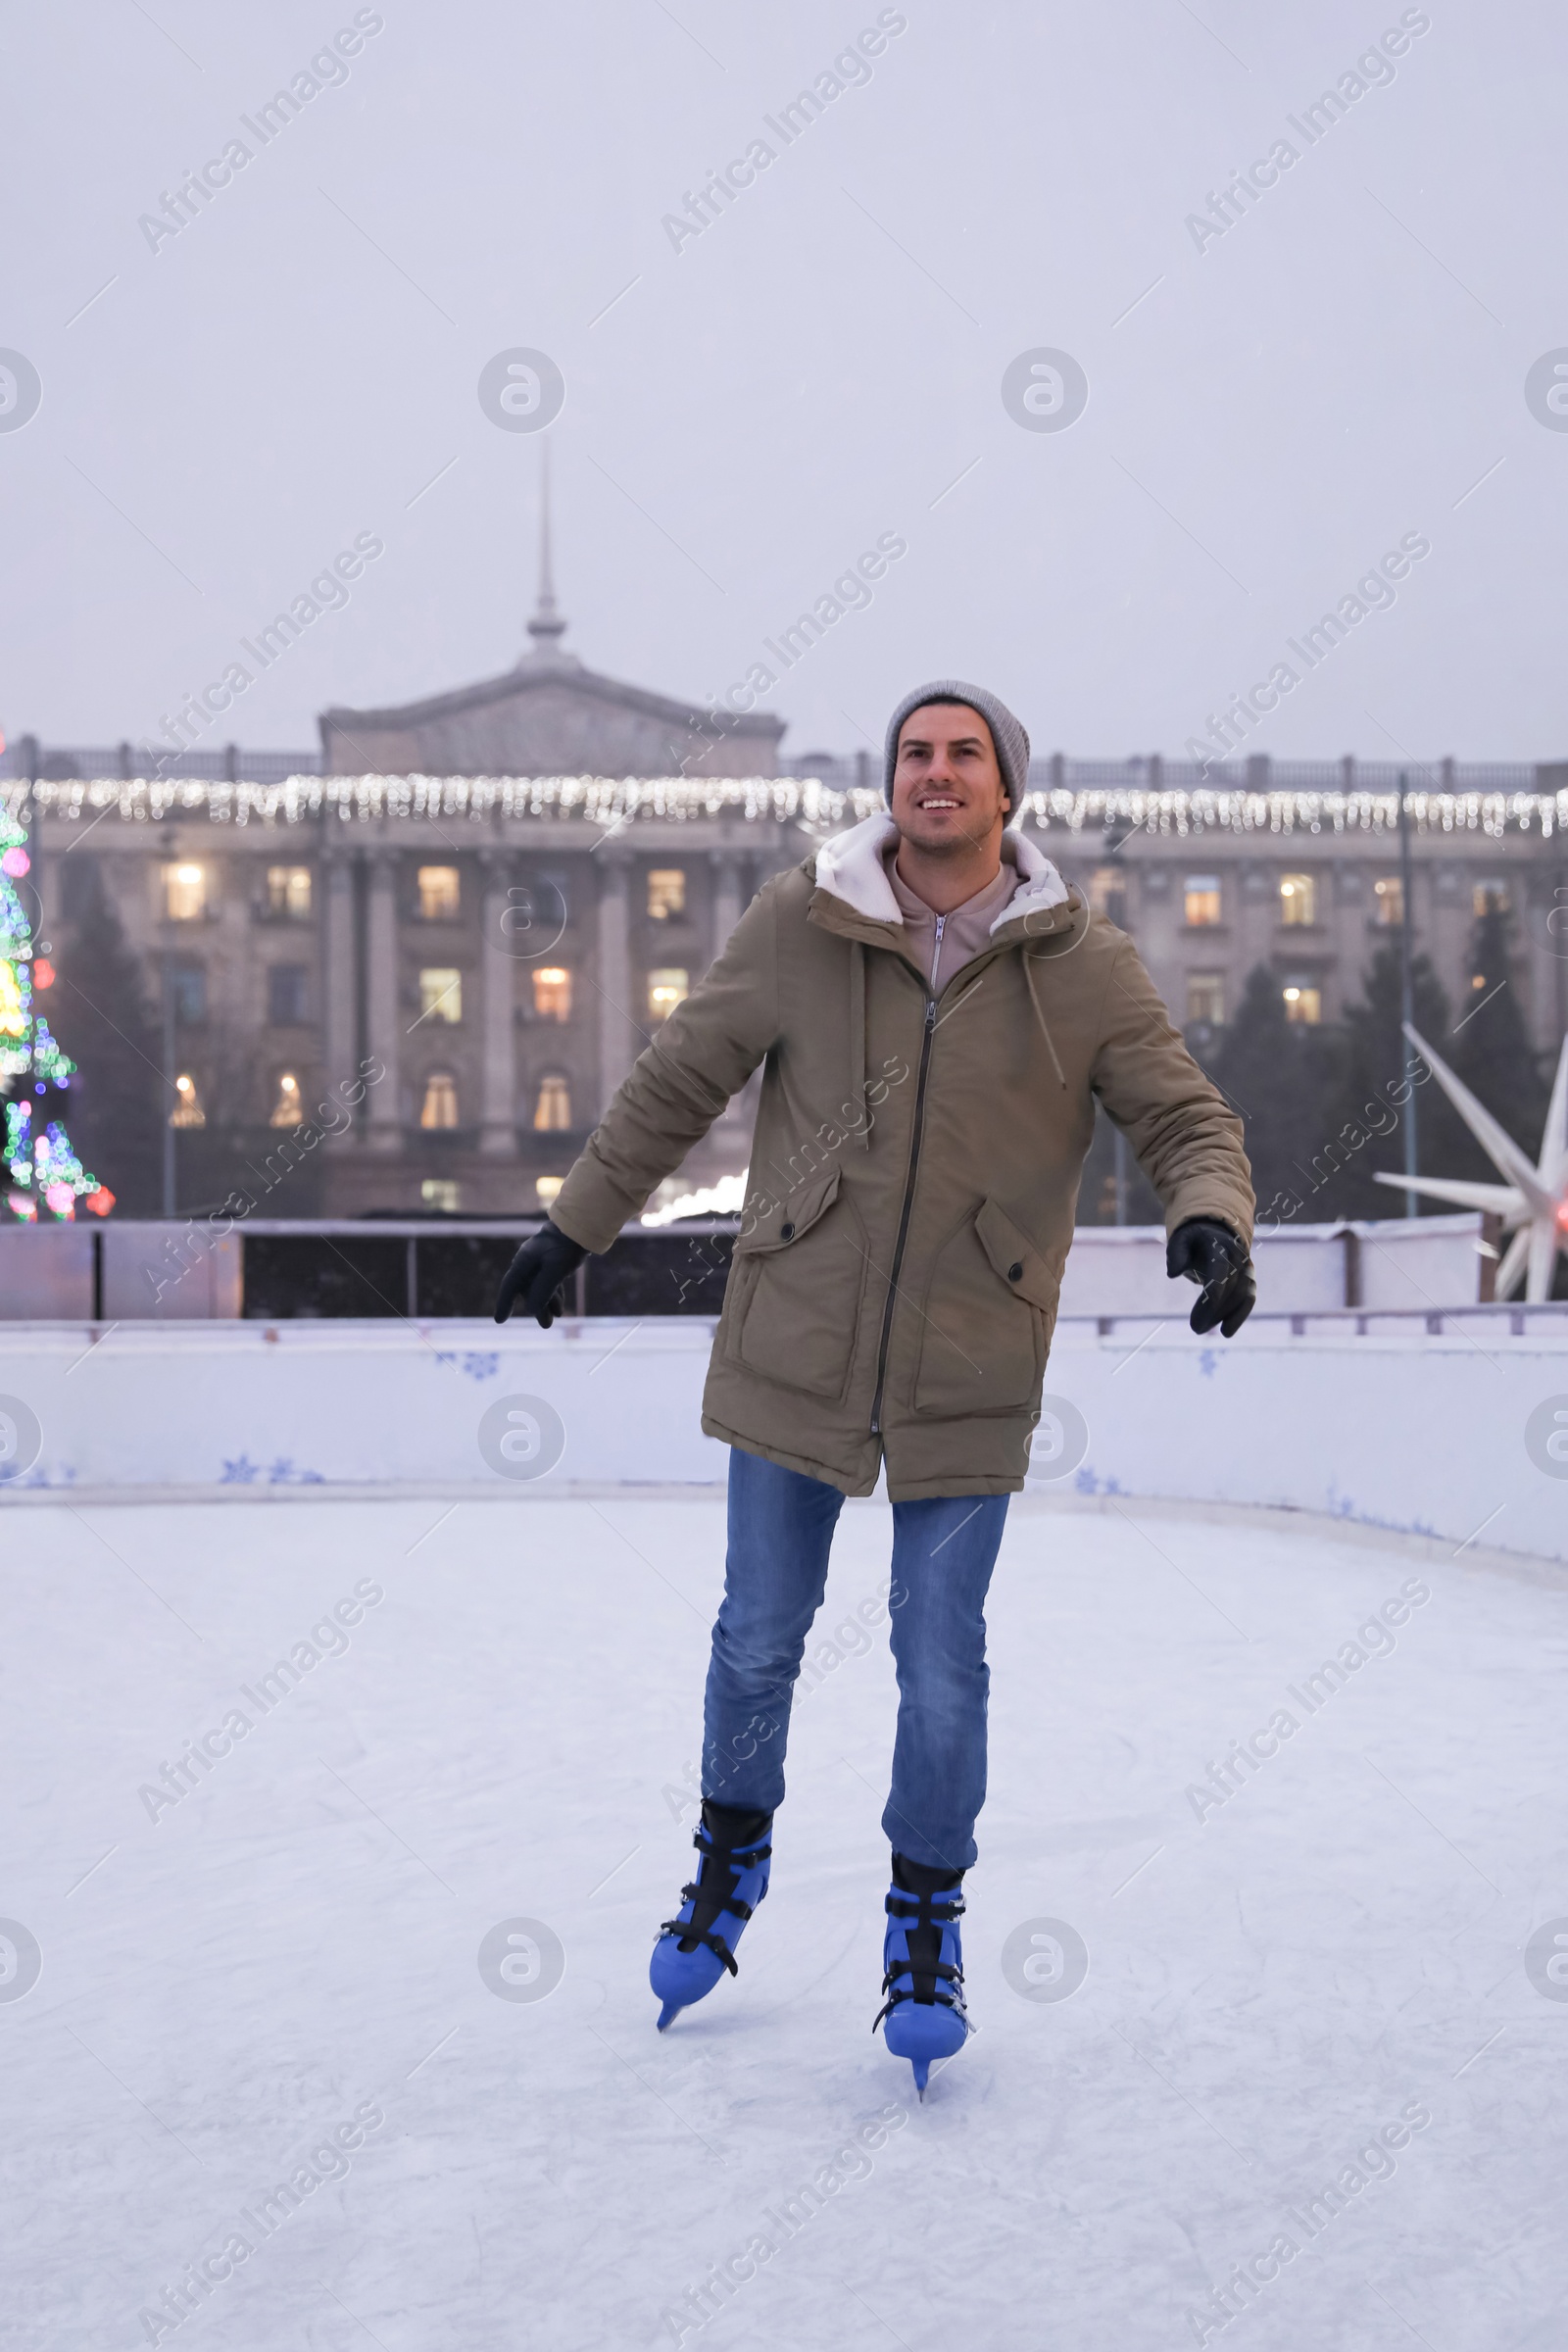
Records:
x=915, y=1163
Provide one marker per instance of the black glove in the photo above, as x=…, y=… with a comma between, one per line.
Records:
x=1206, y=1251
x=536, y=1276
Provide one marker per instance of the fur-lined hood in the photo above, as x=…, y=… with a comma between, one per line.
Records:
x=850, y=867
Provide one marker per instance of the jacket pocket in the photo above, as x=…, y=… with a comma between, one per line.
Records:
x=793, y=1310
x=989, y=1309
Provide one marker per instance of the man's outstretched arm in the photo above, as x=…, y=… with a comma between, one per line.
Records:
x=1188, y=1141
x=702, y=1056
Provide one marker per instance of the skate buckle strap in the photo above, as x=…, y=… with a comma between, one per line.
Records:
x=925, y=1909
x=939, y=1999
x=690, y=1935
x=733, y=1902
x=758, y=1851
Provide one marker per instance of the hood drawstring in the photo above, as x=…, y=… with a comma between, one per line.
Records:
x=1029, y=962
x=860, y=1081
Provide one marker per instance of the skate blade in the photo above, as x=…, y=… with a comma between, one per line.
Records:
x=668, y=2013
x=921, y=2069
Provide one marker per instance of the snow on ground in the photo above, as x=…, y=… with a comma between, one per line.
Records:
x=295, y=1944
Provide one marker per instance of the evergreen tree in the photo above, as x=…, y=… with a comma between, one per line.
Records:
x=112, y=1033
x=1492, y=1049
x=43, y=1176
x=1282, y=1077
x=1365, y=1125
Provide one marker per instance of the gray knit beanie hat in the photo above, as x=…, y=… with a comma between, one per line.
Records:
x=1006, y=734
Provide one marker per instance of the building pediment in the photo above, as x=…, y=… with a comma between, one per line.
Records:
x=547, y=716
x=551, y=680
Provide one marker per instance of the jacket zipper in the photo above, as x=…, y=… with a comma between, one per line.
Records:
x=908, y=1200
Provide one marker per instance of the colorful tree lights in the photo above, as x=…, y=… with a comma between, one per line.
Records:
x=40, y=1163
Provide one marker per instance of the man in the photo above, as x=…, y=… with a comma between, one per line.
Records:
x=937, y=1016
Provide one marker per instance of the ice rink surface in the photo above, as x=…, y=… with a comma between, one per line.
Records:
x=1275, y=1974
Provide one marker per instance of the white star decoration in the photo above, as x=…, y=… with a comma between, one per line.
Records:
x=1533, y=1203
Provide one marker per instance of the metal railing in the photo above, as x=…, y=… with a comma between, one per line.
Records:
x=424, y=1269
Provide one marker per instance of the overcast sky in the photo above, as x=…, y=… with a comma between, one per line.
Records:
x=1272, y=406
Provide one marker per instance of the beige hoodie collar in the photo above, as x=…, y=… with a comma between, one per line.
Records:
x=850, y=867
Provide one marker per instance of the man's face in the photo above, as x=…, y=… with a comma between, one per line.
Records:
x=947, y=793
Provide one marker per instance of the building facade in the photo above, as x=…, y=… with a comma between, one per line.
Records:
x=498, y=950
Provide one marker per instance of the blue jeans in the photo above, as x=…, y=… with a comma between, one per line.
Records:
x=780, y=1533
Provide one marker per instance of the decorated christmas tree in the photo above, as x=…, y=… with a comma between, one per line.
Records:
x=42, y=1172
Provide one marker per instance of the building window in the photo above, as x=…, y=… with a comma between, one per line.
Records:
x=440, y=1105
x=1303, y=1002
x=440, y=1192
x=185, y=893
x=187, y=1110
x=1206, y=996
x=1489, y=897
x=288, y=1110
x=286, y=995
x=438, y=893
x=665, y=990
x=440, y=994
x=551, y=991
x=1388, y=897
x=1202, y=900
x=288, y=891
x=548, y=1190
x=551, y=1109
x=1298, y=898
x=666, y=893
x=188, y=986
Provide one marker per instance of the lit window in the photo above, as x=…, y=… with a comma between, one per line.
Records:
x=288, y=890
x=1206, y=996
x=1202, y=899
x=185, y=893
x=187, y=1110
x=288, y=1110
x=438, y=893
x=440, y=994
x=440, y=1105
x=1388, y=896
x=1298, y=898
x=665, y=990
x=440, y=1192
x=552, y=1110
x=1302, y=1003
x=666, y=892
x=286, y=995
x=1489, y=897
x=548, y=1189
x=551, y=991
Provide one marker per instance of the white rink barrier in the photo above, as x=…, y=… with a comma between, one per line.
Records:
x=1454, y=1426
x=1414, y=1262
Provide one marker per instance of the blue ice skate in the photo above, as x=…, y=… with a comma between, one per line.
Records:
x=697, y=1947
x=922, y=1960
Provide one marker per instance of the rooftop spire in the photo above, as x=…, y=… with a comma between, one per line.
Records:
x=547, y=627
